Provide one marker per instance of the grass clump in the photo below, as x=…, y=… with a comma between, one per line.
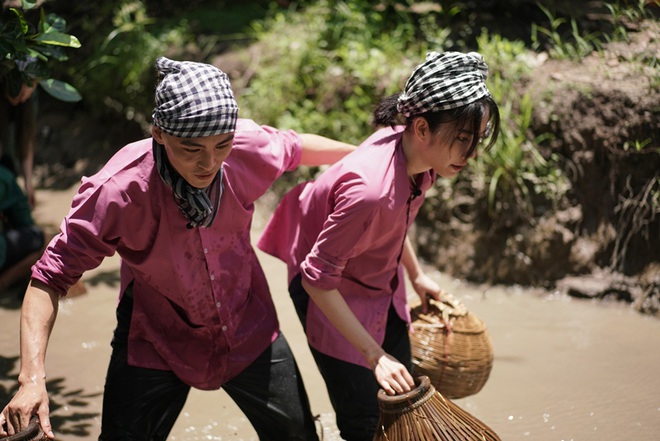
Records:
x=328, y=81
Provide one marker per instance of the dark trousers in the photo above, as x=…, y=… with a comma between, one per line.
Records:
x=353, y=389
x=143, y=404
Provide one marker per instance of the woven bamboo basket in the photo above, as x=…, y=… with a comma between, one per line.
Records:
x=32, y=432
x=452, y=347
x=423, y=414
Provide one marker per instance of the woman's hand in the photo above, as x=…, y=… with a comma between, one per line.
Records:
x=423, y=285
x=426, y=287
x=391, y=375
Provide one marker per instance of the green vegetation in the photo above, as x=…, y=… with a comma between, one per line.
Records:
x=329, y=82
x=26, y=51
x=520, y=182
x=320, y=66
x=115, y=70
x=123, y=38
x=623, y=14
x=563, y=37
x=574, y=46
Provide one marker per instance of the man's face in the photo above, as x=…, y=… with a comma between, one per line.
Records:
x=198, y=160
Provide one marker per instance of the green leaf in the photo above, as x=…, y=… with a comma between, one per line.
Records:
x=28, y=4
x=56, y=22
x=58, y=39
x=21, y=20
x=42, y=21
x=492, y=188
x=51, y=22
x=37, y=69
x=52, y=52
x=61, y=90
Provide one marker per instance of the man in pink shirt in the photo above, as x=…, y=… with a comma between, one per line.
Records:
x=346, y=246
x=194, y=308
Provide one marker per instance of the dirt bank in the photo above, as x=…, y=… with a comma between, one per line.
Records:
x=603, y=122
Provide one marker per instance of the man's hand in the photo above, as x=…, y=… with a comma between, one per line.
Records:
x=30, y=399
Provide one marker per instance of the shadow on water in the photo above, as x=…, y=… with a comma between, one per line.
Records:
x=72, y=403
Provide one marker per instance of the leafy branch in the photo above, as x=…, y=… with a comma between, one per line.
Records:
x=27, y=49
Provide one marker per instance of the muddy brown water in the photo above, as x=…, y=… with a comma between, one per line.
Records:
x=564, y=369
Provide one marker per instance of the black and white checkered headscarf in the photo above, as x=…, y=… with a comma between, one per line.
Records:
x=444, y=81
x=193, y=100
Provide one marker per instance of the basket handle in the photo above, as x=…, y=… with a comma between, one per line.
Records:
x=446, y=308
x=31, y=432
x=449, y=305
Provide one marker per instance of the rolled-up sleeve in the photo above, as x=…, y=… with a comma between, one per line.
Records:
x=349, y=230
x=88, y=234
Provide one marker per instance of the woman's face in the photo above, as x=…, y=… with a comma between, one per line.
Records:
x=197, y=160
x=447, y=152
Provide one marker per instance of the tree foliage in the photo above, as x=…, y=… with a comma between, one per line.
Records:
x=28, y=49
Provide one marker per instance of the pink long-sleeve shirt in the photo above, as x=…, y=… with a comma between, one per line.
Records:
x=345, y=231
x=202, y=307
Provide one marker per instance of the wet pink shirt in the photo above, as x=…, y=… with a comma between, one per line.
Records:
x=345, y=231
x=202, y=307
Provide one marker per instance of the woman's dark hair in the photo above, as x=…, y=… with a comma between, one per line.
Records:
x=386, y=114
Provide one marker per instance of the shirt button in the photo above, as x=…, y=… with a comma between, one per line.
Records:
x=224, y=328
x=212, y=277
x=218, y=304
x=206, y=250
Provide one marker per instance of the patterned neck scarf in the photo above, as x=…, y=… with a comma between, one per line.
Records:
x=198, y=205
x=444, y=81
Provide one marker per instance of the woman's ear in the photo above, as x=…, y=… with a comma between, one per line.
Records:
x=421, y=129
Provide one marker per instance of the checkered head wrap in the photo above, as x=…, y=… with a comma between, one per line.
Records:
x=444, y=81
x=193, y=100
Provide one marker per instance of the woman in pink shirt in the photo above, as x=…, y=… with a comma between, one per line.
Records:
x=344, y=240
x=194, y=307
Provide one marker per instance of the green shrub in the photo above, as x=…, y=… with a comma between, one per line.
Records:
x=328, y=82
x=118, y=75
x=27, y=51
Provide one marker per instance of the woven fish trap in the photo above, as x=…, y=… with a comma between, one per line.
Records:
x=452, y=347
x=423, y=414
x=32, y=432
